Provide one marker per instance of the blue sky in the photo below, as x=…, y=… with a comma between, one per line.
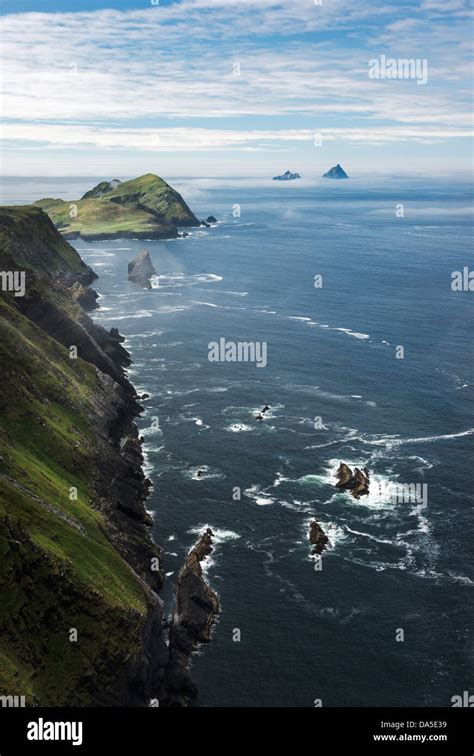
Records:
x=233, y=87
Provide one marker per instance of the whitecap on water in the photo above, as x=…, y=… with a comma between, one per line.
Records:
x=240, y=428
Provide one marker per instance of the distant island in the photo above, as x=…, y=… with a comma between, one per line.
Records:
x=142, y=208
x=336, y=172
x=287, y=176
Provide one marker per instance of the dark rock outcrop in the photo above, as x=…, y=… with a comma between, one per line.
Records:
x=317, y=537
x=141, y=269
x=336, y=172
x=196, y=608
x=211, y=219
x=356, y=482
x=287, y=176
x=87, y=298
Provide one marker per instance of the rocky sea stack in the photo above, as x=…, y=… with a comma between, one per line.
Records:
x=317, y=537
x=287, y=176
x=336, y=172
x=356, y=482
x=140, y=270
x=196, y=609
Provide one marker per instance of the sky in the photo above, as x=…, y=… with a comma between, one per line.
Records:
x=235, y=87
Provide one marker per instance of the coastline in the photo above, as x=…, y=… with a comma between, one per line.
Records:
x=77, y=557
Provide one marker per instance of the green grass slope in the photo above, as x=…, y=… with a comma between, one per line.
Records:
x=58, y=569
x=30, y=238
x=62, y=566
x=145, y=207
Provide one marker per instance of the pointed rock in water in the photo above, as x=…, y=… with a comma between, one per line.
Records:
x=336, y=172
x=197, y=606
x=287, y=176
x=317, y=537
x=141, y=269
x=356, y=482
x=211, y=219
x=343, y=475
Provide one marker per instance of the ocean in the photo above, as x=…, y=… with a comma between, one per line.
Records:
x=370, y=362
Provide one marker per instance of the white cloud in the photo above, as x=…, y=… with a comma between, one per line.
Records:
x=107, y=78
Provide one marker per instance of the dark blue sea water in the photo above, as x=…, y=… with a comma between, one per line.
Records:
x=307, y=634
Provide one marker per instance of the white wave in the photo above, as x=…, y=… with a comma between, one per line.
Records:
x=260, y=497
x=177, y=280
x=131, y=316
x=369, y=536
x=204, y=304
x=220, y=535
x=240, y=428
x=151, y=431
x=279, y=480
x=166, y=309
x=99, y=253
x=356, y=334
x=425, y=464
x=390, y=441
x=334, y=532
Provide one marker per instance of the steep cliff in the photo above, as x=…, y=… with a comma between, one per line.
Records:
x=80, y=618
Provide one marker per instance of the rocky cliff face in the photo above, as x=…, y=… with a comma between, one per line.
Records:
x=29, y=241
x=196, y=609
x=80, y=619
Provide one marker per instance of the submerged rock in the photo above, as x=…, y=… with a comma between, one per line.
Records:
x=141, y=269
x=356, y=482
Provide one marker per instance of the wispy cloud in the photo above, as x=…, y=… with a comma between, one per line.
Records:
x=213, y=74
